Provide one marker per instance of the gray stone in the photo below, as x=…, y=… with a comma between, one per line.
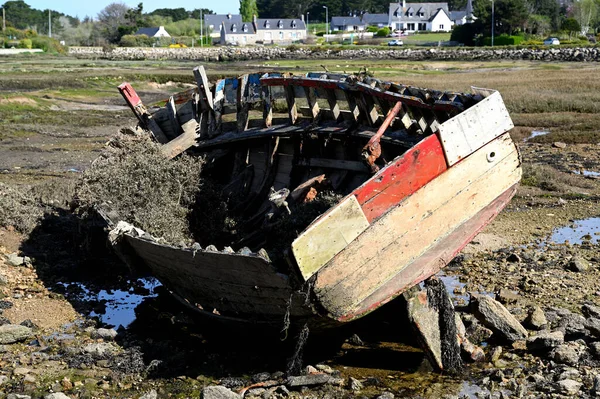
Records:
x=546, y=340
x=570, y=373
x=506, y=297
x=496, y=317
x=152, y=394
x=513, y=258
x=536, y=320
x=595, y=349
x=307, y=380
x=325, y=368
x=3, y=279
x=57, y=395
x=559, y=144
x=578, y=264
x=3, y=379
x=11, y=333
x=17, y=396
x=477, y=333
x=21, y=371
x=107, y=334
x=354, y=384
x=219, y=392
x=573, y=326
x=593, y=326
x=596, y=385
x=569, y=387
x=385, y=395
x=15, y=260
x=589, y=310
x=568, y=353
x=100, y=349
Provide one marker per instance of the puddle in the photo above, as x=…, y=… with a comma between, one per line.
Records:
x=118, y=305
x=587, y=173
x=535, y=133
x=577, y=232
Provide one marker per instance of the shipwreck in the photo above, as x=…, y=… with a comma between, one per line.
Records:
x=418, y=172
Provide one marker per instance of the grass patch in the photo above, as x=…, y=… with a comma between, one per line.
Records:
x=548, y=178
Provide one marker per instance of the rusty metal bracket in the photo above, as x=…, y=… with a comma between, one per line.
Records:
x=372, y=150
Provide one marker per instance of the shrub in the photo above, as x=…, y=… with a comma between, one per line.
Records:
x=372, y=29
x=383, y=32
x=136, y=41
x=48, y=44
x=25, y=43
x=503, y=40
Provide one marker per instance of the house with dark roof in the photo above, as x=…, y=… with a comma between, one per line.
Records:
x=414, y=17
x=213, y=23
x=238, y=33
x=347, y=24
x=280, y=31
x=377, y=20
x=266, y=31
x=153, y=32
x=461, y=17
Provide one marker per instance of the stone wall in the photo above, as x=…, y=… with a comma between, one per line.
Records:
x=269, y=53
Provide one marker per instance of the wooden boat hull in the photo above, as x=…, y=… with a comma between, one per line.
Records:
x=400, y=226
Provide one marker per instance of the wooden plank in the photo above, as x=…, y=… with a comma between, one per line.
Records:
x=401, y=178
x=140, y=111
x=329, y=235
x=206, y=98
x=333, y=105
x=407, y=231
x=311, y=98
x=267, y=106
x=172, y=112
x=355, y=166
x=290, y=97
x=471, y=129
x=242, y=105
x=183, y=141
x=352, y=106
x=218, y=100
x=431, y=262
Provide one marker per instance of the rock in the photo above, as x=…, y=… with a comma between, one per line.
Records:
x=30, y=324
x=468, y=349
x=66, y=384
x=100, y=349
x=325, y=368
x=311, y=370
x=536, y=320
x=354, y=384
x=513, y=258
x=595, y=387
x=11, y=333
x=578, y=264
x=307, y=380
x=56, y=395
x=477, y=333
x=21, y=371
x=385, y=395
x=107, y=334
x=219, y=392
x=559, y=144
x=17, y=396
x=569, y=387
x=152, y=394
x=595, y=350
x=593, y=326
x=569, y=373
x=589, y=310
x=495, y=316
x=3, y=279
x=546, y=340
x=355, y=340
x=573, y=326
x=260, y=377
x=506, y=297
x=3, y=379
x=5, y=305
x=4, y=320
x=15, y=260
x=568, y=353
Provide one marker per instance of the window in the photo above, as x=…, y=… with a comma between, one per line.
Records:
x=422, y=26
x=281, y=35
x=245, y=28
x=233, y=28
x=267, y=24
x=280, y=24
x=410, y=14
x=410, y=26
x=294, y=24
x=290, y=35
x=441, y=26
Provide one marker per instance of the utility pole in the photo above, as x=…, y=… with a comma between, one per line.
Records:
x=3, y=19
x=493, y=23
x=326, y=23
x=49, y=23
x=201, y=28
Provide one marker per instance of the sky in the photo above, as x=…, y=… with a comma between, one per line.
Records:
x=91, y=8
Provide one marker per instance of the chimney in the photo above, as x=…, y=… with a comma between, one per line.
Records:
x=403, y=3
x=229, y=16
x=302, y=17
x=254, y=18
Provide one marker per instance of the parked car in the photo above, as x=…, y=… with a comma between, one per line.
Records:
x=395, y=42
x=551, y=41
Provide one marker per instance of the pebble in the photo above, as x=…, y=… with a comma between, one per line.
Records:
x=568, y=353
x=546, y=340
x=219, y=392
x=15, y=260
x=569, y=387
x=107, y=334
x=536, y=320
x=152, y=394
x=559, y=144
x=578, y=264
x=12, y=333
x=354, y=384
x=307, y=380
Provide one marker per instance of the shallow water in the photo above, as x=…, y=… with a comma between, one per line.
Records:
x=577, y=232
x=120, y=304
x=587, y=173
x=536, y=133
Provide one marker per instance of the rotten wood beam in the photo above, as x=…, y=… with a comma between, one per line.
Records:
x=311, y=98
x=140, y=111
x=243, y=107
x=172, y=112
x=290, y=97
x=183, y=141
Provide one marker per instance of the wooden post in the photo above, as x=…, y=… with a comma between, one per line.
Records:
x=218, y=101
x=267, y=106
x=290, y=96
x=172, y=111
x=242, y=104
x=140, y=111
x=311, y=98
x=183, y=141
x=333, y=105
x=352, y=106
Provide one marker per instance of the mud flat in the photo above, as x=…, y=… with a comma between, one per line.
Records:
x=79, y=324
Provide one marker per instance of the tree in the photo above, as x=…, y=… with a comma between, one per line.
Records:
x=248, y=9
x=509, y=15
x=177, y=14
x=585, y=11
x=571, y=25
x=196, y=13
x=110, y=18
x=539, y=24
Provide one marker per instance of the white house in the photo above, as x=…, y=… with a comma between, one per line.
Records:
x=153, y=32
x=414, y=17
x=213, y=23
x=347, y=24
x=461, y=17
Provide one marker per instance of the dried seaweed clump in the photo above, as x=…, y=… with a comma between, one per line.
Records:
x=133, y=180
x=19, y=208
